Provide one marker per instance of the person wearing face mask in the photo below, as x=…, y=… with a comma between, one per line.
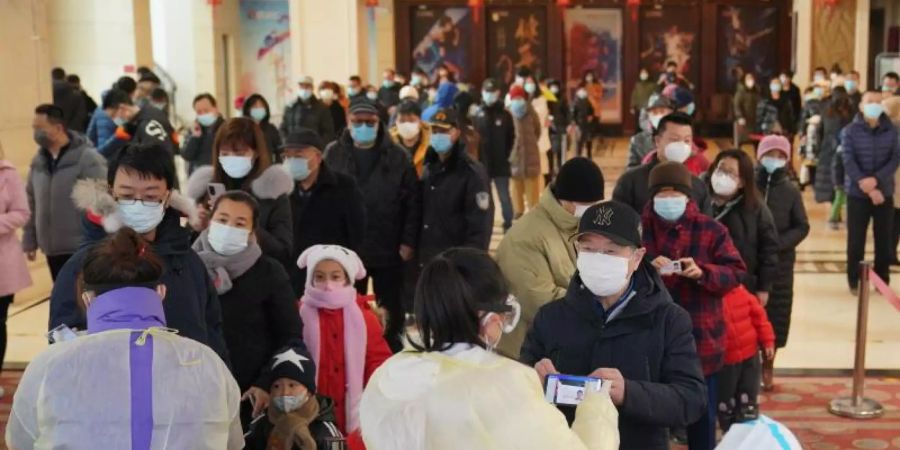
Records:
x=892, y=110
x=256, y=107
x=463, y=308
x=585, y=121
x=446, y=92
x=709, y=266
x=838, y=113
x=331, y=95
x=258, y=305
x=871, y=154
x=298, y=418
x=890, y=83
x=241, y=160
x=139, y=194
x=62, y=159
x=673, y=141
x=539, y=102
x=198, y=147
x=387, y=178
x=495, y=126
x=808, y=127
x=746, y=100
x=851, y=84
x=617, y=300
x=791, y=222
x=342, y=333
x=525, y=157
x=792, y=92
x=642, y=143
x=411, y=133
x=327, y=206
x=559, y=125
x=131, y=382
x=774, y=113
x=737, y=204
x=308, y=112
x=640, y=96
x=536, y=255
x=389, y=92
x=137, y=125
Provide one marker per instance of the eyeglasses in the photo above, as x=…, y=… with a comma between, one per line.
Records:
x=145, y=202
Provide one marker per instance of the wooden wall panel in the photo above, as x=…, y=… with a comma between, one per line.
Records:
x=834, y=35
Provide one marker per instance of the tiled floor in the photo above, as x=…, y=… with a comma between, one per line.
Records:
x=824, y=320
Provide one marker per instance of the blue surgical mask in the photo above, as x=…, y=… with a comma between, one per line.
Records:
x=530, y=88
x=206, y=119
x=441, y=142
x=363, y=134
x=227, y=240
x=288, y=403
x=141, y=218
x=489, y=98
x=775, y=87
x=518, y=108
x=258, y=114
x=304, y=94
x=886, y=88
x=388, y=83
x=772, y=164
x=352, y=91
x=119, y=121
x=689, y=109
x=297, y=167
x=159, y=106
x=236, y=166
x=818, y=92
x=670, y=208
x=873, y=110
x=416, y=80
x=850, y=85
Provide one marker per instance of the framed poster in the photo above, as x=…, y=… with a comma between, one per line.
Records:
x=671, y=33
x=516, y=37
x=441, y=36
x=594, y=43
x=746, y=42
x=265, y=50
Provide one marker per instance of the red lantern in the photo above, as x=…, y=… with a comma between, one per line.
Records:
x=828, y=3
x=476, y=9
x=371, y=3
x=563, y=3
x=635, y=5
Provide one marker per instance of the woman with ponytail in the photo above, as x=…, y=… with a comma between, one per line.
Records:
x=130, y=382
x=451, y=391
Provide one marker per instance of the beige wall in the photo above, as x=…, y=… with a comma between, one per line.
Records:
x=25, y=71
x=831, y=35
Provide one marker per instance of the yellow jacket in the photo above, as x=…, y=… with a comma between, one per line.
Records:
x=418, y=158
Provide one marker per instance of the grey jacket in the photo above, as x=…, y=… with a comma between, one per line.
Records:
x=641, y=144
x=55, y=224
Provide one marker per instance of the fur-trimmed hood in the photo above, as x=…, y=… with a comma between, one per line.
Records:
x=93, y=197
x=271, y=184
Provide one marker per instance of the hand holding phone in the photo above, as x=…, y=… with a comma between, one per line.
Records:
x=214, y=190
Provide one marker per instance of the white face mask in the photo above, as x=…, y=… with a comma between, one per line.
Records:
x=227, y=240
x=723, y=184
x=677, y=151
x=326, y=94
x=141, y=218
x=408, y=130
x=236, y=166
x=654, y=119
x=603, y=274
x=580, y=209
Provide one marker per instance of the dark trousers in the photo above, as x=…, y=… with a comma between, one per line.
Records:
x=5, y=301
x=56, y=263
x=860, y=211
x=585, y=142
x=702, y=433
x=738, y=387
x=388, y=285
x=896, y=234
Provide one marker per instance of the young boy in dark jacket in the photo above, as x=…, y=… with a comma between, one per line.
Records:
x=297, y=418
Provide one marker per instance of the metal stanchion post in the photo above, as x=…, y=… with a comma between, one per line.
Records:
x=856, y=406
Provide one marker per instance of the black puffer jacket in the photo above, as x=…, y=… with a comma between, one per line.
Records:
x=830, y=134
x=457, y=209
x=495, y=126
x=633, y=188
x=198, y=150
x=755, y=237
x=312, y=114
x=650, y=341
x=786, y=205
x=393, y=204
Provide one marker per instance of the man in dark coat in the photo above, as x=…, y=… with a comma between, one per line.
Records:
x=327, y=206
x=70, y=101
x=495, y=126
x=871, y=155
x=198, y=148
x=388, y=181
x=143, y=176
x=308, y=112
x=389, y=92
x=137, y=125
x=457, y=209
x=674, y=137
x=625, y=331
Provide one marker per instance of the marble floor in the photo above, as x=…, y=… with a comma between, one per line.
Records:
x=824, y=318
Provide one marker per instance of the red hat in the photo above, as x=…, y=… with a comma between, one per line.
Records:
x=516, y=91
x=774, y=142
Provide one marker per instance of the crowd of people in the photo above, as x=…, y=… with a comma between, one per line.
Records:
x=328, y=279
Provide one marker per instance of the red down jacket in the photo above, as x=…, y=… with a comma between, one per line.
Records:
x=747, y=327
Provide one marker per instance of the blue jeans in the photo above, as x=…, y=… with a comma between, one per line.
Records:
x=702, y=433
x=501, y=184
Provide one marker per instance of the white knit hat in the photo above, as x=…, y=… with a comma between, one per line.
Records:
x=348, y=259
x=409, y=92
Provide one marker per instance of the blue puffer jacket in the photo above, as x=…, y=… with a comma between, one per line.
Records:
x=650, y=342
x=446, y=93
x=870, y=152
x=101, y=128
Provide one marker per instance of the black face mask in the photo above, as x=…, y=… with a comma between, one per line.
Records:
x=42, y=138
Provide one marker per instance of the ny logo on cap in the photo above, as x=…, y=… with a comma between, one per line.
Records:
x=440, y=116
x=604, y=216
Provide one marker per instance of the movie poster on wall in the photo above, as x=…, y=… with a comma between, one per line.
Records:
x=265, y=52
x=516, y=37
x=594, y=43
x=746, y=43
x=670, y=33
x=442, y=36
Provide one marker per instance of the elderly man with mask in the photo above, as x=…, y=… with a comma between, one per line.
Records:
x=535, y=255
x=618, y=323
x=308, y=112
x=673, y=138
x=387, y=178
x=643, y=143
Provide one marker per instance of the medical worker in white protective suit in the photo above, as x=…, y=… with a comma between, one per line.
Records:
x=451, y=391
x=130, y=383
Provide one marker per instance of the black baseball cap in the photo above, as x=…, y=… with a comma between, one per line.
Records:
x=302, y=138
x=490, y=85
x=444, y=119
x=614, y=220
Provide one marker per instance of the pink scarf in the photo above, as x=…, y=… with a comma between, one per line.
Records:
x=354, y=339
